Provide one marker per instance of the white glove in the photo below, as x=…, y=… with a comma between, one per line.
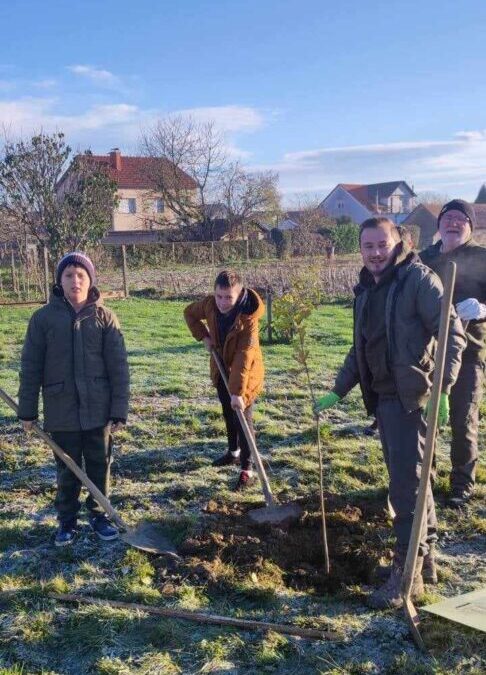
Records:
x=471, y=309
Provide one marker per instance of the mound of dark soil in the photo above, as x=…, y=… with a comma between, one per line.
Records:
x=355, y=538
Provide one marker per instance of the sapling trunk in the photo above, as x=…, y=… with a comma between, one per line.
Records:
x=301, y=357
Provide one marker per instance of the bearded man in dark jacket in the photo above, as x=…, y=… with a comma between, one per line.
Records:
x=456, y=223
x=396, y=322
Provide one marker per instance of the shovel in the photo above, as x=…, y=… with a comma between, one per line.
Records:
x=273, y=512
x=430, y=437
x=146, y=536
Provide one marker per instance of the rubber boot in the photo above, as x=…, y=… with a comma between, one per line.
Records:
x=388, y=596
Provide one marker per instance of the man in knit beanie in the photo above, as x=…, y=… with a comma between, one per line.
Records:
x=456, y=223
x=75, y=353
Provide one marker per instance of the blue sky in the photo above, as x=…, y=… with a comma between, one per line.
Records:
x=321, y=92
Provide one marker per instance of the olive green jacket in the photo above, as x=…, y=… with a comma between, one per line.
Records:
x=412, y=316
x=80, y=363
x=470, y=259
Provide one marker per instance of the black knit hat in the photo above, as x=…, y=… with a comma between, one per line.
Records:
x=462, y=206
x=78, y=259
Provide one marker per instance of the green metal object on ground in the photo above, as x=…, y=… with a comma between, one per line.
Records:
x=468, y=609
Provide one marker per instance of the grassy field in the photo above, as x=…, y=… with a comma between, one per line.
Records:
x=162, y=471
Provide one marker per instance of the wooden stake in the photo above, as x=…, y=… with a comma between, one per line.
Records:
x=46, y=274
x=269, y=316
x=124, y=270
x=200, y=617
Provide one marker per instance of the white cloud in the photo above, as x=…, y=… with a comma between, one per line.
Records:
x=97, y=75
x=101, y=126
x=229, y=118
x=428, y=164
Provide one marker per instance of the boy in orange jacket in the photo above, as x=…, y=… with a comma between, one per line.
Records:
x=227, y=321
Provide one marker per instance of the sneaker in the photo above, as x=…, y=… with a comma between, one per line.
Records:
x=227, y=460
x=103, y=528
x=66, y=533
x=245, y=481
x=372, y=430
x=459, y=498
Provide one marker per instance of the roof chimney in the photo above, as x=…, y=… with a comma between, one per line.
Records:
x=115, y=159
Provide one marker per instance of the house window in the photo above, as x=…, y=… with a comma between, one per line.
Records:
x=159, y=205
x=127, y=205
x=340, y=205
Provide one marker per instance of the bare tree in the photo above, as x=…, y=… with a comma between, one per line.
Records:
x=188, y=157
x=309, y=215
x=431, y=198
x=60, y=203
x=248, y=196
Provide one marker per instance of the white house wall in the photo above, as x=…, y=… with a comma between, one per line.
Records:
x=340, y=203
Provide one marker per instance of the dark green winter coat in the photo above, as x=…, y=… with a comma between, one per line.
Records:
x=80, y=363
x=412, y=316
x=470, y=259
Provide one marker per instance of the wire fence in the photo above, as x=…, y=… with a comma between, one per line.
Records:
x=167, y=270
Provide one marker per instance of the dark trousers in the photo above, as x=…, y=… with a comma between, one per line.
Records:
x=464, y=400
x=403, y=438
x=234, y=431
x=94, y=446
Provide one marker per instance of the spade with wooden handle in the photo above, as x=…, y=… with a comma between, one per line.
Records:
x=272, y=512
x=146, y=536
x=424, y=484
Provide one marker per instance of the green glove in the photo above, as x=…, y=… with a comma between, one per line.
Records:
x=326, y=402
x=443, y=416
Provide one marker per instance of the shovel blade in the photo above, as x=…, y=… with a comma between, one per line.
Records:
x=413, y=622
x=275, y=514
x=149, y=537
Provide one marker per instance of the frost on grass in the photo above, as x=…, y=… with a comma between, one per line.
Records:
x=162, y=471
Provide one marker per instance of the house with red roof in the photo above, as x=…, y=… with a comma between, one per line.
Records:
x=140, y=207
x=394, y=199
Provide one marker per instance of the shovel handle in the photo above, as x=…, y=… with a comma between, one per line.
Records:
x=430, y=437
x=69, y=462
x=267, y=492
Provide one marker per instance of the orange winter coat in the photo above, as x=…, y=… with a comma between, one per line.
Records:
x=241, y=351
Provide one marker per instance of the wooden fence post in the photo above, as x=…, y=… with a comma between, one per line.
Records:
x=247, y=249
x=173, y=253
x=46, y=274
x=269, y=316
x=212, y=253
x=124, y=270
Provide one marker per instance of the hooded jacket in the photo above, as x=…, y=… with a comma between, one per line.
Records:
x=80, y=363
x=412, y=316
x=241, y=352
x=470, y=259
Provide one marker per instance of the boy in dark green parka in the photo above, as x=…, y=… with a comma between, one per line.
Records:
x=74, y=351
